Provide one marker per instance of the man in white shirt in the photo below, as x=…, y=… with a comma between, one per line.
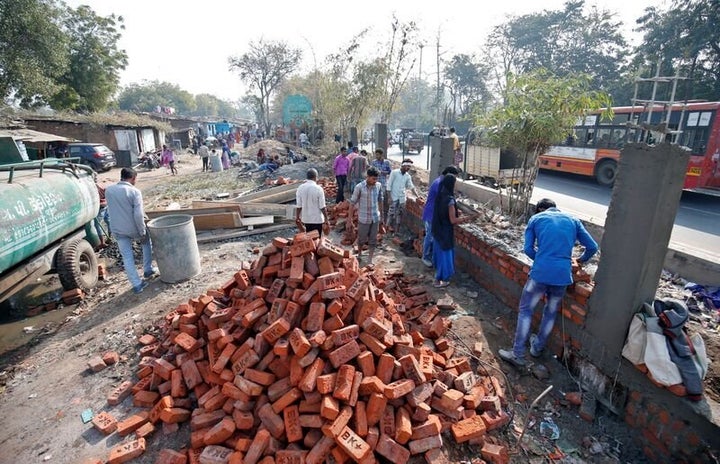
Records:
x=399, y=181
x=310, y=198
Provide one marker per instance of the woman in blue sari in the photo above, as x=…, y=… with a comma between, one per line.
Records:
x=445, y=216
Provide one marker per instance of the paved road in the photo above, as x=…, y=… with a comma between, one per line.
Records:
x=697, y=224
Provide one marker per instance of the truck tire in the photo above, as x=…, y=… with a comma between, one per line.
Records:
x=77, y=265
x=605, y=172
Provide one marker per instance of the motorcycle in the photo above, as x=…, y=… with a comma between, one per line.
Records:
x=149, y=160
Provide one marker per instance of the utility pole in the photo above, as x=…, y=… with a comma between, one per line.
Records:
x=437, y=87
x=418, y=117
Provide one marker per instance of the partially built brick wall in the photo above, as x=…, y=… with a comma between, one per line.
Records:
x=668, y=428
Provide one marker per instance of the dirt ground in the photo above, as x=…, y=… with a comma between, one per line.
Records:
x=45, y=383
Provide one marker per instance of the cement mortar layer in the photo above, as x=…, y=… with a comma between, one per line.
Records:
x=692, y=264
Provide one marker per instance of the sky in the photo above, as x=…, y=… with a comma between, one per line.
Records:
x=188, y=43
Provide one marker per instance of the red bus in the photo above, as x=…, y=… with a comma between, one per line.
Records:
x=594, y=146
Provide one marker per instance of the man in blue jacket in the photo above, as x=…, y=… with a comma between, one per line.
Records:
x=550, y=237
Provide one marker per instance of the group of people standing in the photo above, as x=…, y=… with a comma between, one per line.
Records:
x=377, y=191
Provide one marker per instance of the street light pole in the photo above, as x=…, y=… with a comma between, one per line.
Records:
x=417, y=117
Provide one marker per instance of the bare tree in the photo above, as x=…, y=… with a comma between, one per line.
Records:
x=264, y=68
x=400, y=62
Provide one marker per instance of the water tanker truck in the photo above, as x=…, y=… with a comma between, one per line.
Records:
x=47, y=212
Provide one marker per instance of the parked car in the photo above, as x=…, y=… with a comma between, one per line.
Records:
x=96, y=155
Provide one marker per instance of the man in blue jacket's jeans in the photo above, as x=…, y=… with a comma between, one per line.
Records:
x=550, y=237
x=428, y=213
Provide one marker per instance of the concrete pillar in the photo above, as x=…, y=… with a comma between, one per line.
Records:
x=441, y=155
x=354, y=136
x=381, y=136
x=639, y=221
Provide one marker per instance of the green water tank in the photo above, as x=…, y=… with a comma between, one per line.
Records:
x=40, y=203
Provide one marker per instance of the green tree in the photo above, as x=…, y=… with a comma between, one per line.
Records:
x=569, y=41
x=684, y=39
x=146, y=96
x=263, y=68
x=540, y=108
x=32, y=50
x=95, y=61
x=210, y=105
x=465, y=80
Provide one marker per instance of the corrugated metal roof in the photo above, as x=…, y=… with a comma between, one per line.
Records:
x=29, y=135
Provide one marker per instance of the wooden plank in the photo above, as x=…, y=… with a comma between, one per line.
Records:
x=254, y=209
x=216, y=208
x=257, y=221
x=217, y=221
x=216, y=237
x=280, y=194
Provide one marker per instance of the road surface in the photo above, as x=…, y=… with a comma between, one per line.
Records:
x=697, y=224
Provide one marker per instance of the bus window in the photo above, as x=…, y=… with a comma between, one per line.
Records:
x=590, y=140
x=581, y=137
x=603, y=137
x=618, y=138
x=695, y=139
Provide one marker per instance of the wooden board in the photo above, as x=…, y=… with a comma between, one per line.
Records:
x=257, y=221
x=217, y=221
x=216, y=207
x=253, y=209
x=280, y=194
x=216, y=237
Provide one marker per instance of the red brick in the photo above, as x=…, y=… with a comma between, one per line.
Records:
x=105, y=423
x=145, y=399
x=273, y=422
x=258, y=446
x=399, y=388
x=110, y=357
x=329, y=407
x=118, y=394
x=286, y=400
x=127, y=451
x=215, y=454
x=96, y=364
x=299, y=342
x=385, y=366
x=333, y=429
x=345, y=335
x=276, y=330
x=430, y=427
x=494, y=420
x=147, y=339
x=344, y=354
x=174, y=415
x=320, y=450
x=145, y=430
x=375, y=408
x=169, y=456
x=165, y=402
x=468, y=429
x=220, y=432
x=350, y=442
x=391, y=450
x=425, y=444
x=496, y=454
x=132, y=423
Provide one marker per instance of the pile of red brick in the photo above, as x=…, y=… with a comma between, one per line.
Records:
x=302, y=357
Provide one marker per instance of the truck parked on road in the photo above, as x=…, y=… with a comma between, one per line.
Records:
x=47, y=212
